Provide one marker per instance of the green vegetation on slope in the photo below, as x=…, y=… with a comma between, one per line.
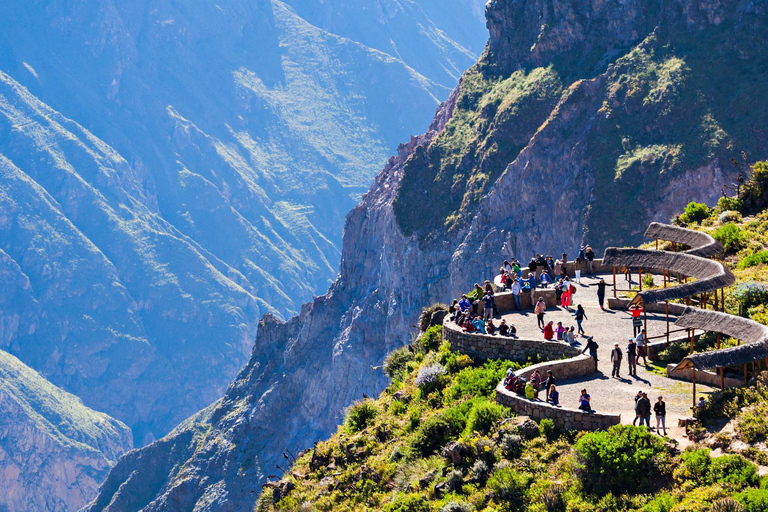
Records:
x=388, y=455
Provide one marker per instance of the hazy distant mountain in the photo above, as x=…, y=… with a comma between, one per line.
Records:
x=171, y=171
x=54, y=452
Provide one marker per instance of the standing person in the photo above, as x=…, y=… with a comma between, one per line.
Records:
x=580, y=315
x=660, y=409
x=551, y=266
x=592, y=347
x=536, y=383
x=557, y=269
x=549, y=331
x=638, y=396
x=565, y=294
x=487, y=306
x=539, y=309
x=553, y=396
x=529, y=391
x=643, y=410
x=637, y=325
x=532, y=284
x=601, y=293
x=631, y=354
x=642, y=347
x=616, y=357
x=585, y=401
x=590, y=254
x=516, y=289
x=532, y=266
x=548, y=382
x=544, y=280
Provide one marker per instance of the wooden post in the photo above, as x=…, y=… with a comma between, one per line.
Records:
x=722, y=378
x=665, y=278
x=666, y=308
x=640, y=278
x=687, y=299
x=645, y=323
x=614, y=282
x=692, y=336
x=657, y=244
x=694, y=388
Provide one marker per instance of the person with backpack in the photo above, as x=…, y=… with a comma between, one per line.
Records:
x=631, y=355
x=580, y=315
x=540, y=309
x=660, y=409
x=616, y=357
x=592, y=347
x=638, y=396
x=636, y=311
x=643, y=410
x=590, y=255
x=536, y=383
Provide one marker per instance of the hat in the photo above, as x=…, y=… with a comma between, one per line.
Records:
x=645, y=394
x=503, y=321
x=630, y=339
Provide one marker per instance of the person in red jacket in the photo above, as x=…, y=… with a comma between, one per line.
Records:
x=549, y=331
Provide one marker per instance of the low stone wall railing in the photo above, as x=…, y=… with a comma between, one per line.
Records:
x=564, y=417
x=487, y=346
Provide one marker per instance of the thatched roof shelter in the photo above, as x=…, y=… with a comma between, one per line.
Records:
x=700, y=243
x=753, y=334
x=710, y=275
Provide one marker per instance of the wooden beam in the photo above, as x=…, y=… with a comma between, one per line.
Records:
x=614, y=282
x=694, y=388
x=692, y=336
x=639, y=278
x=666, y=310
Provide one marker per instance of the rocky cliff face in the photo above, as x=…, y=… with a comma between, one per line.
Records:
x=54, y=451
x=534, y=151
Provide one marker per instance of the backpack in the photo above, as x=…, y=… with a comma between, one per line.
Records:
x=573, y=289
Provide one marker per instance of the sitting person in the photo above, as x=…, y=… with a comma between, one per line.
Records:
x=464, y=304
x=489, y=327
x=520, y=386
x=479, y=325
x=453, y=309
x=512, y=330
x=570, y=336
x=585, y=401
x=536, y=383
x=503, y=328
x=549, y=331
x=530, y=392
x=560, y=331
x=554, y=395
x=468, y=325
x=544, y=279
x=509, y=379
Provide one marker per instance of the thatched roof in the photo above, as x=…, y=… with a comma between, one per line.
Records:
x=710, y=275
x=701, y=244
x=753, y=334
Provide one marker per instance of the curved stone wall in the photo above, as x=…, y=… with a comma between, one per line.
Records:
x=487, y=346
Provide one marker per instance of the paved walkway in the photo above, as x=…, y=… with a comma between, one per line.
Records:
x=612, y=395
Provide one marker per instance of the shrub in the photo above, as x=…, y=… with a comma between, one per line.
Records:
x=674, y=353
x=396, y=363
x=396, y=455
x=661, y=503
x=730, y=236
x=729, y=216
x=726, y=505
x=409, y=503
x=752, y=425
x=753, y=500
x=432, y=338
x=434, y=433
x=547, y=428
x=623, y=459
x=511, y=445
x=360, y=415
x=695, y=212
x=730, y=204
x=694, y=466
x=429, y=377
x=454, y=481
x=751, y=294
x=483, y=415
x=479, y=382
x=552, y=498
x=457, y=362
x=758, y=258
x=509, y=485
x=648, y=281
x=734, y=471
x=457, y=506
x=480, y=471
